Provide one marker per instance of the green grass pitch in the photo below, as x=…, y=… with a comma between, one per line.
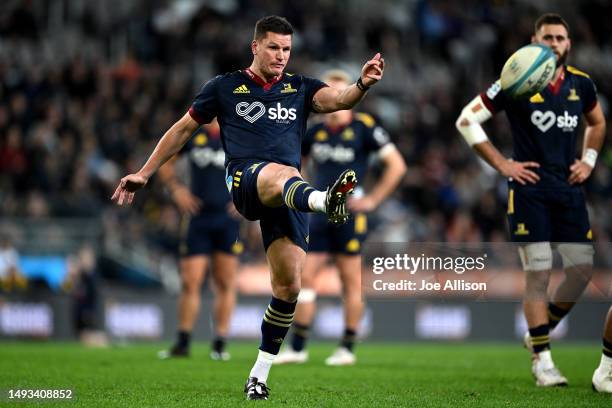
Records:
x=387, y=375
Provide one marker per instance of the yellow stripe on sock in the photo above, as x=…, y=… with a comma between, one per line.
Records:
x=540, y=337
x=301, y=183
x=280, y=319
x=270, y=308
x=275, y=323
x=291, y=193
x=288, y=196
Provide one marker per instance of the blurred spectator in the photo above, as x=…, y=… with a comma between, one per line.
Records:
x=10, y=275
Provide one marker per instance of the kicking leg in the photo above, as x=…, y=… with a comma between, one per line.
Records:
x=278, y=184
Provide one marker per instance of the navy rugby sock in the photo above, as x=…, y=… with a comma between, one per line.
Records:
x=218, y=344
x=183, y=339
x=540, y=338
x=275, y=324
x=348, y=340
x=555, y=314
x=300, y=336
x=295, y=194
x=607, y=348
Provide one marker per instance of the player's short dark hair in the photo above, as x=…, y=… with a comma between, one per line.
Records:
x=551, y=18
x=272, y=24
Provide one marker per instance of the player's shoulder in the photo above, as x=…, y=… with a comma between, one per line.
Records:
x=228, y=77
x=290, y=77
x=580, y=78
x=364, y=119
x=577, y=72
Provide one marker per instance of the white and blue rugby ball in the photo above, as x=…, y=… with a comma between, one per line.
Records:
x=528, y=71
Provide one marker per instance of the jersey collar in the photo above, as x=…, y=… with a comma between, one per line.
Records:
x=260, y=81
x=556, y=87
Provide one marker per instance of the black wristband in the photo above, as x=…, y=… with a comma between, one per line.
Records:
x=362, y=87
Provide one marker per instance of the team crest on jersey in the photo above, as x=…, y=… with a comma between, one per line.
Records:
x=348, y=134
x=288, y=89
x=321, y=136
x=573, y=96
x=242, y=89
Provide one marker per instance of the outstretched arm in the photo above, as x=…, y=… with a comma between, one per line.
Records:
x=469, y=125
x=329, y=99
x=168, y=146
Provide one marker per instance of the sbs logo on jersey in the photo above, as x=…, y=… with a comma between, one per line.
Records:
x=250, y=111
x=280, y=113
x=545, y=120
x=255, y=110
x=205, y=156
x=323, y=152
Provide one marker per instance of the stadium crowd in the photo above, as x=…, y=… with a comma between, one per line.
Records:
x=86, y=90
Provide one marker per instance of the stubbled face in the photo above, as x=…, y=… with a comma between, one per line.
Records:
x=556, y=37
x=271, y=53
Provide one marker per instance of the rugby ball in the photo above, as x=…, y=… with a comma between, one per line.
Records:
x=528, y=71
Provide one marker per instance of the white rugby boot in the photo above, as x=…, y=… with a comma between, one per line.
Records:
x=341, y=357
x=545, y=372
x=602, y=377
x=289, y=356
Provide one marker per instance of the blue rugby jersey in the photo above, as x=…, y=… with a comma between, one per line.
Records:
x=333, y=150
x=207, y=169
x=545, y=126
x=258, y=120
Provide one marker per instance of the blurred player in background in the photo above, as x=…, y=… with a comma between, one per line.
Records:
x=10, y=274
x=546, y=202
x=343, y=138
x=210, y=233
x=602, y=377
x=262, y=114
